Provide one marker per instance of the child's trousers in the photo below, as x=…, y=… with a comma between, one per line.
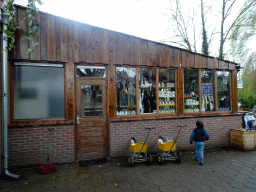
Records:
x=199, y=151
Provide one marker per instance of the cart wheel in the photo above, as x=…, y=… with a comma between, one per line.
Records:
x=149, y=158
x=130, y=161
x=178, y=157
x=160, y=159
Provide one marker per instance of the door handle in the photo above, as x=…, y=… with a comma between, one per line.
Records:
x=78, y=119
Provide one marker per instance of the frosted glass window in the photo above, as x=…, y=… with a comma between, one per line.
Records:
x=38, y=92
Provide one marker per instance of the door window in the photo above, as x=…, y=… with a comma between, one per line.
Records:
x=91, y=100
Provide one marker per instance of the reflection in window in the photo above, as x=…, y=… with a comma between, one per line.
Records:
x=147, y=90
x=126, y=90
x=207, y=90
x=91, y=100
x=38, y=92
x=223, y=79
x=167, y=93
x=191, y=96
x=91, y=71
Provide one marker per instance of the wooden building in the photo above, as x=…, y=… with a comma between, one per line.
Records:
x=88, y=90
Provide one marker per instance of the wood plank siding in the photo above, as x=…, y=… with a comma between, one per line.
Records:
x=62, y=40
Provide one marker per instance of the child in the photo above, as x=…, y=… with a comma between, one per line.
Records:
x=199, y=135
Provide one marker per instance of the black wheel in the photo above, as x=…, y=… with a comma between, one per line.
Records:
x=149, y=159
x=130, y=161
x=178, y=158
x=160, y=159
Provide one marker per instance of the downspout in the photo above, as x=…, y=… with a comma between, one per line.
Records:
x=5, y=97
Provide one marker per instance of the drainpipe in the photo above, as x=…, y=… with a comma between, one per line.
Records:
x=5, y=97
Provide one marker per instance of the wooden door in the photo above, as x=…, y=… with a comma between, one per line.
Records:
x=91, y=118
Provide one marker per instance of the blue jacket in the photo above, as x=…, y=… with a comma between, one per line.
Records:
x=199, y=135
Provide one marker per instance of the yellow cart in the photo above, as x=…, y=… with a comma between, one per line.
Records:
x=168, y=150
x=139, y=152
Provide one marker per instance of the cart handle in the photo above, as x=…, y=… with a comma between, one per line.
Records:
x=145, y=140
x=180, y=126
x=151, y=128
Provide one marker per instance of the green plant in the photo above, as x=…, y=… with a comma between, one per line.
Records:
x=31, y=11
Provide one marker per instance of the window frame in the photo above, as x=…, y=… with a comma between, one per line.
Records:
x=66, y=120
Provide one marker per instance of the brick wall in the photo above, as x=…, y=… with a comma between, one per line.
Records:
x=30, y=145
x=217, y=127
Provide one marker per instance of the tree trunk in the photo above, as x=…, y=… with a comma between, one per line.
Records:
x=221, y=56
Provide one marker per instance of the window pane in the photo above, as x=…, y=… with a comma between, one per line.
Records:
x=207, y=90
x=223, y=79
x=147, y=90
x=126, y=90
x=191, y=96
x=91, y=71
x=38, y=92
x=91, y=100
x=167, y=95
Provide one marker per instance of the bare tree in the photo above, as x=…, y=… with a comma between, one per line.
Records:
x=226, y=10
x=205, y=43
x=183, y=28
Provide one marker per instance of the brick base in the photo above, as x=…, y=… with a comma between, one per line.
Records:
x=217, y=127
x=30, y=145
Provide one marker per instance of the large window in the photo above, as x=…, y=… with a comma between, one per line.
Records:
x=38, y=91
x=191, y=94
x=223, y=87
x=207, y=101
x=126, y=91
x=147, y=90
x=167, y=101
x=153, y=91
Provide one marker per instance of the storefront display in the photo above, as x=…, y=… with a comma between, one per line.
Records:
x=191, y=97
x=207, y=78
x=167, y=98
x=147, y=90
x=223, y=87
x=126, y=91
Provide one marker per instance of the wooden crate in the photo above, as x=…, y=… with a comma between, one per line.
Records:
x=243, y=139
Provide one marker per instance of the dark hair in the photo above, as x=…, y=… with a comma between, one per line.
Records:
x=200, y=125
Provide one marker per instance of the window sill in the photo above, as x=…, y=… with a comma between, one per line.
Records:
x=38, y=123
x=173, y=116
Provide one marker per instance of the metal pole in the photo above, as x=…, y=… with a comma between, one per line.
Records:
x=5, y=97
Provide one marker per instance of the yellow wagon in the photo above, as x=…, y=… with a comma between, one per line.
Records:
x=139, y=151
x=168, y=150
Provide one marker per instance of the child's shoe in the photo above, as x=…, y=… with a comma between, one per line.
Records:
x=201, y=163
x=196, y=159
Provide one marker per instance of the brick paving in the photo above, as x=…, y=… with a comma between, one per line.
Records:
x=225, y=169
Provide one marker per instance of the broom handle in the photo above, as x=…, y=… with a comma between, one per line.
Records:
x=49, y=145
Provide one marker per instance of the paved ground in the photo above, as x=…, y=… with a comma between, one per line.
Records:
x=224, y=170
